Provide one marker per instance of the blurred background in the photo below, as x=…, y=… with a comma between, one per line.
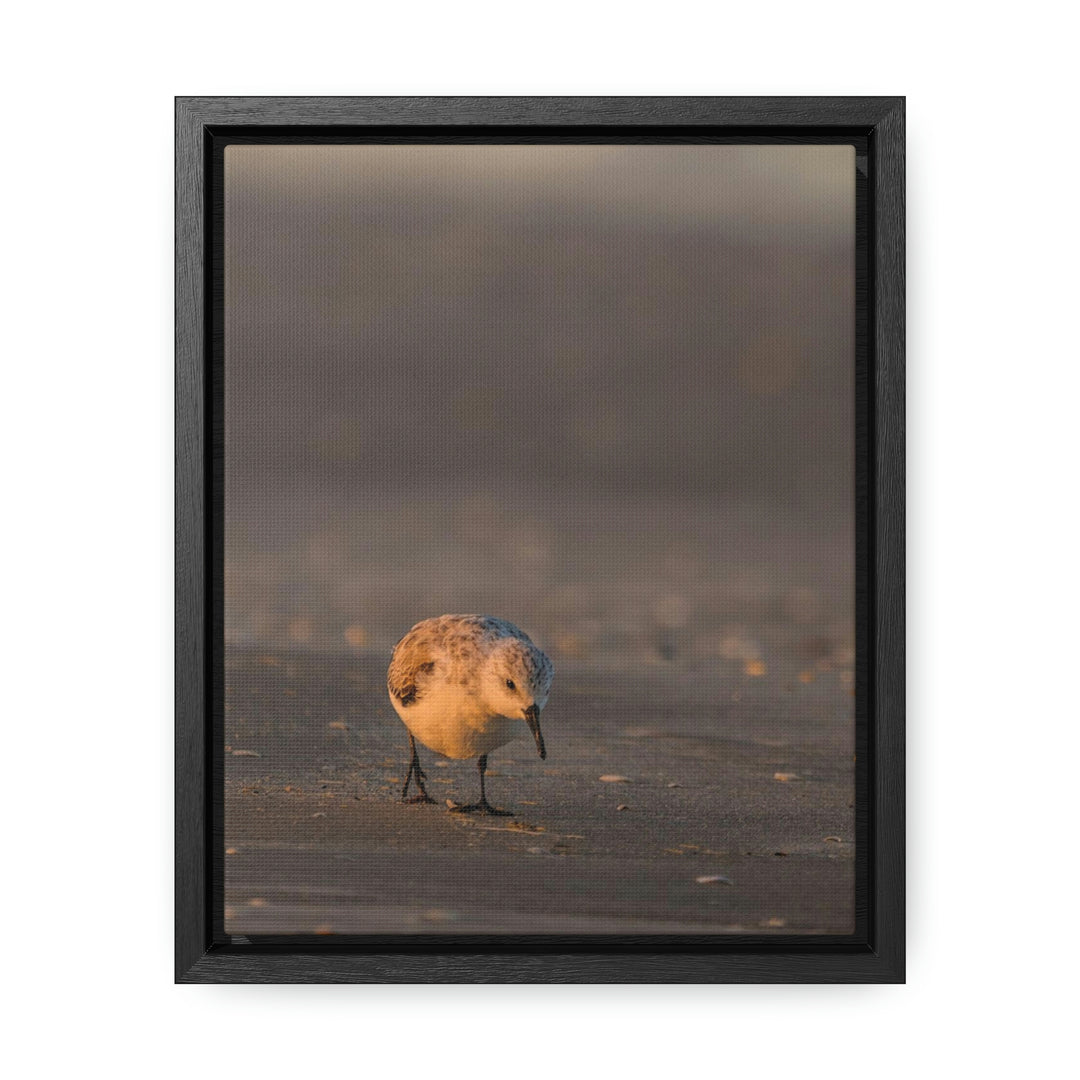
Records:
x=605, y=392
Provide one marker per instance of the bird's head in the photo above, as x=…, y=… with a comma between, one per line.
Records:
x=517, y=683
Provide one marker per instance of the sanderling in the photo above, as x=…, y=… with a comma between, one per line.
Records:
x=461, y=685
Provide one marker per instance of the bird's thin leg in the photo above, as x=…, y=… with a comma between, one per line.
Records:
x=408, y=775
x=481, y=764
x=415, y=770
x=483, y=806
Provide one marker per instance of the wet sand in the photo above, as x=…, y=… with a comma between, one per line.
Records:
x=318, y=842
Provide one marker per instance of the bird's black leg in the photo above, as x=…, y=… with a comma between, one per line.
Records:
x=483, y=806
x=415, y=770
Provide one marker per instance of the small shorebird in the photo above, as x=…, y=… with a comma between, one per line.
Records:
x=462, y=684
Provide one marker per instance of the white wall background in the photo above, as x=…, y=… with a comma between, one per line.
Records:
x=86, y=436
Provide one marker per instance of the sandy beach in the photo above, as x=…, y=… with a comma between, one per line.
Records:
x=732, y=811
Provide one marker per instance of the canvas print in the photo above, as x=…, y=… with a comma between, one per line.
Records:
x=539, y=553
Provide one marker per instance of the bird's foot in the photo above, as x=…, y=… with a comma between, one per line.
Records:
x=481, y=808
x=423, y=797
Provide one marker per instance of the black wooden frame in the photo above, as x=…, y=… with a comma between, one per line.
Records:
x=877, y=124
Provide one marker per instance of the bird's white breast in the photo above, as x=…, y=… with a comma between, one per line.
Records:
x=452, y=721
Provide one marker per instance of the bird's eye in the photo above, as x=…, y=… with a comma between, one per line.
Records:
x=510, y=684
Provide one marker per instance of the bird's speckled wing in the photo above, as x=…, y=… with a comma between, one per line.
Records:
x=410, y=669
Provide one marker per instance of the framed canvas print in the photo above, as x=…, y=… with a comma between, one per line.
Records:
x=539, y=540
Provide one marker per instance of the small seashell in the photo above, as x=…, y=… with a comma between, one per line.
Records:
x=714, y=879
x=614, y=778
x=833, y=840
x=622, y=806
x=440, y=915
x=246, y=753
x=784, y=777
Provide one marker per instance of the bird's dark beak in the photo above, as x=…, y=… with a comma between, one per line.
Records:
x=532, y=718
